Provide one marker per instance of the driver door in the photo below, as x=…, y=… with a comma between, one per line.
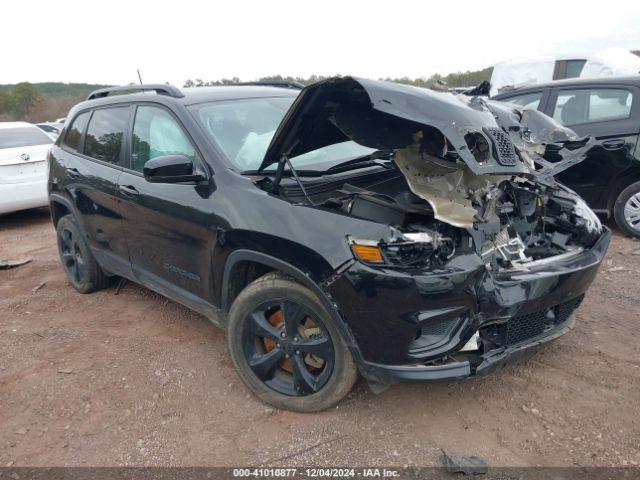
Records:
x=166, y=224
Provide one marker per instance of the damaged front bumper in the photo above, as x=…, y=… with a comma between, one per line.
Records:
x=489, y=362
x=396, y=317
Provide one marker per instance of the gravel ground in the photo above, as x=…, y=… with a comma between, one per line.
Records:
x=135, y=379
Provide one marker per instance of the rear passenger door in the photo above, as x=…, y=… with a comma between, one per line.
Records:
x=167, y=225
x=93, y=157
x=610, y=113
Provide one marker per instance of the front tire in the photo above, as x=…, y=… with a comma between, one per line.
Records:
x=83, y=272
x=286, y=348
x=626, y=210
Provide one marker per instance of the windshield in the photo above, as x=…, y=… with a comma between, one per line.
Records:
x=23, y=137
x=243, y=129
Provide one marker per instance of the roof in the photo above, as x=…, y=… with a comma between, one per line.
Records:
x=632, y=80
x=189, y=96
x=16, y=125
x=233, y=92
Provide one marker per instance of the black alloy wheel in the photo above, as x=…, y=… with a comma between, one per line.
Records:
x=71, y=255
x=82, y=269
x=288, y=348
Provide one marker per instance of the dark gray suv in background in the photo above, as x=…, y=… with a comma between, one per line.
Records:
x=607, y=109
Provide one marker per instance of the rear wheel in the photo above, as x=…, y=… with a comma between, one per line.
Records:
x=626, y=210
x=83, y=272
x=286, y=348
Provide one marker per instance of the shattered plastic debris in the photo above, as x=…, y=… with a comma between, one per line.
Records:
x=471, y=465
x=5, y=264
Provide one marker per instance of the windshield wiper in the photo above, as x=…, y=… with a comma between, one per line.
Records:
x=364, y=159
x=377, y=155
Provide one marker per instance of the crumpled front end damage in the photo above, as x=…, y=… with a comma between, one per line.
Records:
x=485, y=255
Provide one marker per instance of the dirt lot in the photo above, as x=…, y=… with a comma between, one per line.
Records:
x=135, y=379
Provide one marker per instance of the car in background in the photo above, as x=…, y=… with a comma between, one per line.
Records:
x=61, y=120
x=23, y=167
x=609, y=110
x=50, y=128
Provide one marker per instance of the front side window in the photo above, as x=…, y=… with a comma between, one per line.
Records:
x=106, y=128
x=74, y=134
x=156, y=133
x=578, y=106
x=528, y=100
x=244, y=128
x=23, y=137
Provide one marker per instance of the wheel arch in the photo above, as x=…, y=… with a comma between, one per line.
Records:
x=621, y=182
x=59, y=206
x=265, y=263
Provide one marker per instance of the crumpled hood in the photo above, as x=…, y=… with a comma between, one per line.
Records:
x=386, y=115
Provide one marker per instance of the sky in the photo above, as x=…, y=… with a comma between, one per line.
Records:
x=105, y=42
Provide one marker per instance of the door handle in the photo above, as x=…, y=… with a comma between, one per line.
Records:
x=613, y=144
x=73, y=172
x=128, y=191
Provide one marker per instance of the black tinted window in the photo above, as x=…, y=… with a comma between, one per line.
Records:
x=23, y=137
x=104, y=134
x=74, y=134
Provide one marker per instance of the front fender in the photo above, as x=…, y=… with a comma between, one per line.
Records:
x=275, y=263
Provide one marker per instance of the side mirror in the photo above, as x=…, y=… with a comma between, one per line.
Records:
x=171, y=169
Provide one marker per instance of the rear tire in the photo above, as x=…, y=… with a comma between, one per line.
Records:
x=274, y=325
x=626, y=210
x=83, y=272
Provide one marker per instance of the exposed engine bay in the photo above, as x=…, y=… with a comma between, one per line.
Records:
x=465, y=174
x=530, y=223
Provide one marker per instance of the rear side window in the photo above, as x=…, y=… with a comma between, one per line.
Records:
x=74, y=134
x=23, y=137
x=103, y=140
x=528, y=100
x=156, y=133
x=578, y=106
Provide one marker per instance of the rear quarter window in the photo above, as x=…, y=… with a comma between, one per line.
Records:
x=75, y=131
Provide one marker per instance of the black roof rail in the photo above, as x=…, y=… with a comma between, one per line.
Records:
x=292, y=85
x=159, y=88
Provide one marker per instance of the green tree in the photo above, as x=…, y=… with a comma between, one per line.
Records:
x=440, y=82
x=6, y=105
x=24, y=98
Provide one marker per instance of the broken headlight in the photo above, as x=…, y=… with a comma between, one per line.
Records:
x=478, y=146
x=591, y=221
x=408, y=250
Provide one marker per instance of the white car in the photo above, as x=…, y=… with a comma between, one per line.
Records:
x=23, y=166
x=52, y=129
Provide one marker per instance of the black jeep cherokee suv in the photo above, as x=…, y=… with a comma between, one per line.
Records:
x=355, y=226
